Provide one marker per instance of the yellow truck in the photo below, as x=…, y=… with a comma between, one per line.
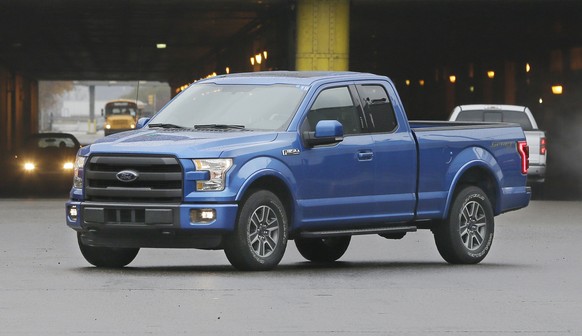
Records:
x=120, y=115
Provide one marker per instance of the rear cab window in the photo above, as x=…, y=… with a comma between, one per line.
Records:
x=516, y=117
x=377, y=108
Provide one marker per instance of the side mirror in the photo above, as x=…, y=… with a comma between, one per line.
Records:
x=327, y=132
x=141, y=122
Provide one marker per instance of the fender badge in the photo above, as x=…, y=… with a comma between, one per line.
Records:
x=293, y=151
x=127, y=175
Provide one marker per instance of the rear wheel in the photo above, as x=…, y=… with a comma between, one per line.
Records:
x=465, y=237
x=260, y=238
x=107, y=257
x=323, y=249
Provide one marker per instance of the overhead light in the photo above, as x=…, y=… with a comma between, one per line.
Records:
x=227, y=70
x=407, y=82
x=161, y=45
x=259, y=57
x=557, y=89
x=491, y=74
x=527, y=67
x=452, y=78
x=421, y=82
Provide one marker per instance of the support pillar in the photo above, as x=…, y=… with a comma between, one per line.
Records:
x=510, y=86
x=6, y=88
x=323, y=35
x=92, y=127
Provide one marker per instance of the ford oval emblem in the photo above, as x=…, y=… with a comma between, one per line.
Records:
x=127, y=175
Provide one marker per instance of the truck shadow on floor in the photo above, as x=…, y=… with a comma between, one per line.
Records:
x=300, y=268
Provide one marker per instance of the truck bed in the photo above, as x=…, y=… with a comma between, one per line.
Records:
x=446, y=148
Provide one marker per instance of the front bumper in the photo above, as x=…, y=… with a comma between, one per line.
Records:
x=149, y=225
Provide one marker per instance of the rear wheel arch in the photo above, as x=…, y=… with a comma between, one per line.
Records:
x=478, y=176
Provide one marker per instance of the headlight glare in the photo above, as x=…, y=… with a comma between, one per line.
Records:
x=29, y=166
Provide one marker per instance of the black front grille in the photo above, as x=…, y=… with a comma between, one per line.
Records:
x=159, y=179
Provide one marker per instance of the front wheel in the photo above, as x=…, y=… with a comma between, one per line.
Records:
x=107, y=257
x=260, y=237
x=323, y=249
x=465, y=237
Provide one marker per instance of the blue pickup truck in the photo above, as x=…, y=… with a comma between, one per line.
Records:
x=246, y=162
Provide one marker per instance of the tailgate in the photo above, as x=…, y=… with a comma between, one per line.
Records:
x=536, y=157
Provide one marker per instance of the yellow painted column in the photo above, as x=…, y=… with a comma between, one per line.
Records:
x=323, y=35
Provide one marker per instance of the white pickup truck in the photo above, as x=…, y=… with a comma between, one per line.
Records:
x=536, y=138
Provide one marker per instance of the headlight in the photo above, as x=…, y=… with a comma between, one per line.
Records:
x=107, y=126
x=78, y=168
x=217, y=169
x=29, y=166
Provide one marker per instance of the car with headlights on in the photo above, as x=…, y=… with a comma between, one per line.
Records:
x=46, y=158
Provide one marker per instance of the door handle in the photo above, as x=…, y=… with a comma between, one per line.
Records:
x=365, y=155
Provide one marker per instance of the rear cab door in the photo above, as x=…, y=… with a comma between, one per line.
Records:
x=395, y=152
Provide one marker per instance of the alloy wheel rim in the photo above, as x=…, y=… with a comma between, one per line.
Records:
x=473, y=225
x=263, y=234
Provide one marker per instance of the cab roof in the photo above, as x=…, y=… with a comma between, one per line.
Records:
x=289, y=77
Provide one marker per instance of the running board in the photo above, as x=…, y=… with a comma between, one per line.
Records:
x=353, y=232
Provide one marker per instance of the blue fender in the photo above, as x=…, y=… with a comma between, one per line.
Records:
x=259, y=167
x=467, y=159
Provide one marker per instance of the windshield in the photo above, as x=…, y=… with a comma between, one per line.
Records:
x=50, y=141
x=121, y=109
x=254, y=107
x=497, y=116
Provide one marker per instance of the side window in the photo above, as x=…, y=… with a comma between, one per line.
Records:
x=377, y=108
x=334, y=104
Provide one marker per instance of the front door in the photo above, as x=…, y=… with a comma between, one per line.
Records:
x=336, y=180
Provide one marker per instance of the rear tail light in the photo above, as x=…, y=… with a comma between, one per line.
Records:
x=542, y=146
x=523, y=150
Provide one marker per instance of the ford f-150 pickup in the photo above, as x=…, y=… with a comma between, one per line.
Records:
x=246, y=162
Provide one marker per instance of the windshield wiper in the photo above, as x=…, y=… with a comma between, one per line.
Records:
x=165, y=125
x=219, y=126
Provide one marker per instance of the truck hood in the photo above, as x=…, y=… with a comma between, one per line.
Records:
x=178, y=142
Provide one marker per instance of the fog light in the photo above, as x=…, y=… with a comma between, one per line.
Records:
x=73, y=213
x=202, y=216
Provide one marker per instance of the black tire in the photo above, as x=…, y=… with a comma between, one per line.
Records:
x=107, y=257
x=465, y=237
x=323, y=249
x=260, y=237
